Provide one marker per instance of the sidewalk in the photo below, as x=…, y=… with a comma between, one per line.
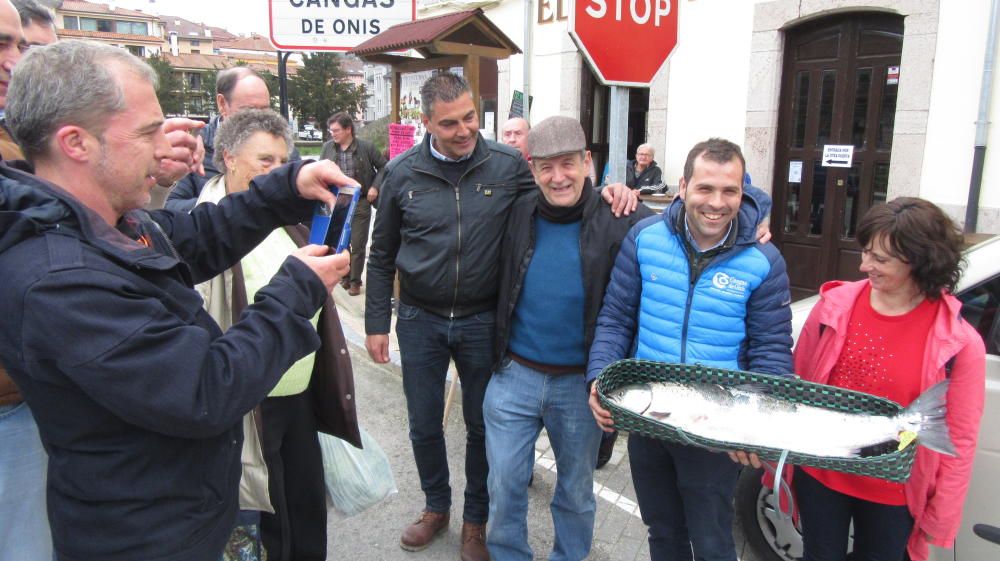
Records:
x=619, y=534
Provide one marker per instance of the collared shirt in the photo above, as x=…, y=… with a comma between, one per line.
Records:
x=694, y=244
x=345, y=159
x=444, y=158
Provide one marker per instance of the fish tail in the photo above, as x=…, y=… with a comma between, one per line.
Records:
x=932, y=427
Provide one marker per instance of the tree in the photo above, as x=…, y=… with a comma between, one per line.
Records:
x=170, y=91
x=320, y=88
x=208, y=89
x=272, y=86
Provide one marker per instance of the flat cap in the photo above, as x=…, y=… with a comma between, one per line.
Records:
x=555, y=136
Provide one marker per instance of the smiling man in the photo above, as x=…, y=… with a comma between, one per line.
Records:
x=556, y=257
x=693, y=285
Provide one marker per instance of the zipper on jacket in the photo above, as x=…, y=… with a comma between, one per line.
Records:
x=458, y=252
x=458, y=208
x=692, y=280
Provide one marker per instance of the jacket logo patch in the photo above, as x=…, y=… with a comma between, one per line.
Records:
x=652, y=276
x=729, y=284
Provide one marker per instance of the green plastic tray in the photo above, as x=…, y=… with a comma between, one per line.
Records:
x=890, y=464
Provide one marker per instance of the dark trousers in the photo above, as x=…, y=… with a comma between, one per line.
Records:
x=880, y=531
x=426, y=344
x=685, y=496
x=359, y=237
x=297, y=529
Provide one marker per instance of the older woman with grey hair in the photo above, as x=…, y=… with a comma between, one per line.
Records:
x=283, y=485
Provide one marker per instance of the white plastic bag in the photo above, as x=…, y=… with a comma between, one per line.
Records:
x=355, y=479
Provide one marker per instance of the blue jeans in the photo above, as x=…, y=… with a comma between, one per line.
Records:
x=24, y=524
x=426, y=344
x=519, y=402
x=685, y=496
x=880, y=531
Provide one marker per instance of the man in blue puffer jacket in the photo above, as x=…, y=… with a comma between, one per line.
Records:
x=694, y=286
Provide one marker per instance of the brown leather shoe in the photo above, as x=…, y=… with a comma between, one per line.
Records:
x=345, y=283
x=420, y=534
x=355, y=289
x=474, y=542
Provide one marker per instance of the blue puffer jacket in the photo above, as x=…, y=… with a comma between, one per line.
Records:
x=727, y=307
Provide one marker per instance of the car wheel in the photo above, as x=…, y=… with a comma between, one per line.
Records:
x=768, y=534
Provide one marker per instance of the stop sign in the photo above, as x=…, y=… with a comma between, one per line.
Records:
x=625, y=41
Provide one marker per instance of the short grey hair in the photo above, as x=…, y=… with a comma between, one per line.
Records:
x=69, y=82
x=32, y=12
x=442, y=87
x=647, y=146
x=238, y=128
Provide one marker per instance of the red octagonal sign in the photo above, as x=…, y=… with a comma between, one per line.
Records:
x=625, y=41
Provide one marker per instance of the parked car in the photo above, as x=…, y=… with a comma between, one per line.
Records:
x=770, y=536
x=310, y=132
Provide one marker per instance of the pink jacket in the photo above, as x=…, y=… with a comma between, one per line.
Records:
x=938, y=483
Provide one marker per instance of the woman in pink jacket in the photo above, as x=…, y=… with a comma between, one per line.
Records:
x=894, y=334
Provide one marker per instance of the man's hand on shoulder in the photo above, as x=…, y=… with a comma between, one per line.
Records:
x=187, y=151
x=329, y=268
x=764, y=230
x=315, y=178
x=622, y=199
x=378, y=347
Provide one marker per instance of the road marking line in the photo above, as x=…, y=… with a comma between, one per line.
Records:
x=617, y=499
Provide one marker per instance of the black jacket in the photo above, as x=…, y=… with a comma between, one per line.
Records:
x=443, y=238
x=652, y=176
x=138, y=395
x=601, y=233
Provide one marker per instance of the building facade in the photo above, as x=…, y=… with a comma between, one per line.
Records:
x=899, y=81
x=138, y=32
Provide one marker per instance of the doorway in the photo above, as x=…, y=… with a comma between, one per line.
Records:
x=839, y=88
x=595, y=100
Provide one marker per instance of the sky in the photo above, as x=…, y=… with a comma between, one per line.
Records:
x=236, y=16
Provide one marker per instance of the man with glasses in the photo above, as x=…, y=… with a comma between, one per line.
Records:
x=361, y=161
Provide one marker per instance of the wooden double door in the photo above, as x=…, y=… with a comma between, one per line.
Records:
x=839, y=88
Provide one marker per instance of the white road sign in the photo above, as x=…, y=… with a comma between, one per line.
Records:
x=837, y=155
x=333, y=25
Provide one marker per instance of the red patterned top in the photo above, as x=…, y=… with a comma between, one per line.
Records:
x=882, y=355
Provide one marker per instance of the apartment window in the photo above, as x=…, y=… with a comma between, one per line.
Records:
x=93, y=24
x=196, y=51
x=131, y=27
x=195, y=43
x=136, y=50
x=194, y=81
x=71, y=22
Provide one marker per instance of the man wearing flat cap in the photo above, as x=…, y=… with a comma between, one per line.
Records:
x=556, y=258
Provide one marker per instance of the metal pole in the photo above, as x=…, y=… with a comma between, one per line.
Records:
x=283, y=82
x=618, y=134
x=526, y=57
x=982, y=124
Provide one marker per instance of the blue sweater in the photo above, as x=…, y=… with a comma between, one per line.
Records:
x=547, y=326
